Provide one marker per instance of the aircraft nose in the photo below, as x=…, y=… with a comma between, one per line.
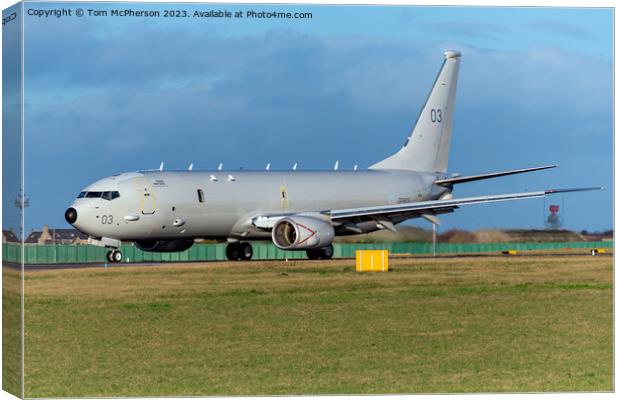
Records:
x=71, y=215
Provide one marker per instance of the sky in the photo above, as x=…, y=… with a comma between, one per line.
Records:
x=11, y=115
x=110, y=94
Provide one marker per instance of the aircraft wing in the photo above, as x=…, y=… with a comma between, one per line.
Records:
x=410, y=210
x=388, y=215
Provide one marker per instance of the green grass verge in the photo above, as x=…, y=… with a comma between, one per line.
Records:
x=11, y=332
x=427, y=326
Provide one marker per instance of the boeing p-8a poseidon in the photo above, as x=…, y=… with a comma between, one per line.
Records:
x=165, y=211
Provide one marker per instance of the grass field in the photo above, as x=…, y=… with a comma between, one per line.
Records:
x=11, y=332
x=476, y=324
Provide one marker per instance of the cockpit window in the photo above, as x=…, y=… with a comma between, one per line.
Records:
x=103, y=195
x=110, y=195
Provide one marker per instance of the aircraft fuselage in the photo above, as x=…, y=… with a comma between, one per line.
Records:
x=221, y=204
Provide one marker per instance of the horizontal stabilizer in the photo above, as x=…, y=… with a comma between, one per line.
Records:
x=463, y=179
x=554, y=191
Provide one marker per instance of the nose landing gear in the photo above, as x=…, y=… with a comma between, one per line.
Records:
x=114, y=256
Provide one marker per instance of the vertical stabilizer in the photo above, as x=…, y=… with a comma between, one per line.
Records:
x=428, y=145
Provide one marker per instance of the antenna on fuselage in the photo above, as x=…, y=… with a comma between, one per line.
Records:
x=295, y=167
x=191, y=166
x=219, y=167
x=161, y=166
x=355, y=167
x=268, y=166
x=336, y=165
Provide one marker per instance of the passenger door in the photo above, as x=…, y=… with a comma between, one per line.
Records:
x=146, y=195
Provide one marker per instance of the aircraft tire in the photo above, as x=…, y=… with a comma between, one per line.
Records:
x=233, y=251
x=326, y=253
x=245, y=251
x=312, y=254
x=117, y=256
x=109, y=256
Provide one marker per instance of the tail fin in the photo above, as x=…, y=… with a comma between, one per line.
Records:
x=428, y=145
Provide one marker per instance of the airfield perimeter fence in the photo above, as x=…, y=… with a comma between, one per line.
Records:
x=75, y=253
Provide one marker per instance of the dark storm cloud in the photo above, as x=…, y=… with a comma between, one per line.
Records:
x=269, y=88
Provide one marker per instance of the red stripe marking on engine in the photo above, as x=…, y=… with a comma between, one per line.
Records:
x=309, y=230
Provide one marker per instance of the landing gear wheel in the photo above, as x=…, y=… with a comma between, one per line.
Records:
x=233, y=251
x=327, y=252
x=239, y=251
x=117, y=256
x=312, y=254
x=245, y=251
x=109, y=256
x=321, y=254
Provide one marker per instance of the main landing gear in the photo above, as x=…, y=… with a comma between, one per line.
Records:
x=239, y=251
x=242, y=251
x=321, y=254
x=114, y=256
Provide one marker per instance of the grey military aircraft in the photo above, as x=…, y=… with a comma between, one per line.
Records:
x=168, y=211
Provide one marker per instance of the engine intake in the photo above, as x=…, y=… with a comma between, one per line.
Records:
x=301, y=233
x=164, y=246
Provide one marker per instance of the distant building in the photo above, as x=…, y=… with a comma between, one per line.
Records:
x=57, y=236
x=9, y=236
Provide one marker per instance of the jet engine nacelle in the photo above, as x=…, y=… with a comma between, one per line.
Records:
x=164, y=246
x=301, y=233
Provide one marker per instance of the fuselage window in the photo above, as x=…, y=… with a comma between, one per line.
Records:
x=201, y=196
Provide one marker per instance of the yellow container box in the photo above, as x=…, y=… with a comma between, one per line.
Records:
x=509, y=252
x=371, y=260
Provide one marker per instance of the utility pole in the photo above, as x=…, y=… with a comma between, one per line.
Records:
x=21, y=202
x=434, y=239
